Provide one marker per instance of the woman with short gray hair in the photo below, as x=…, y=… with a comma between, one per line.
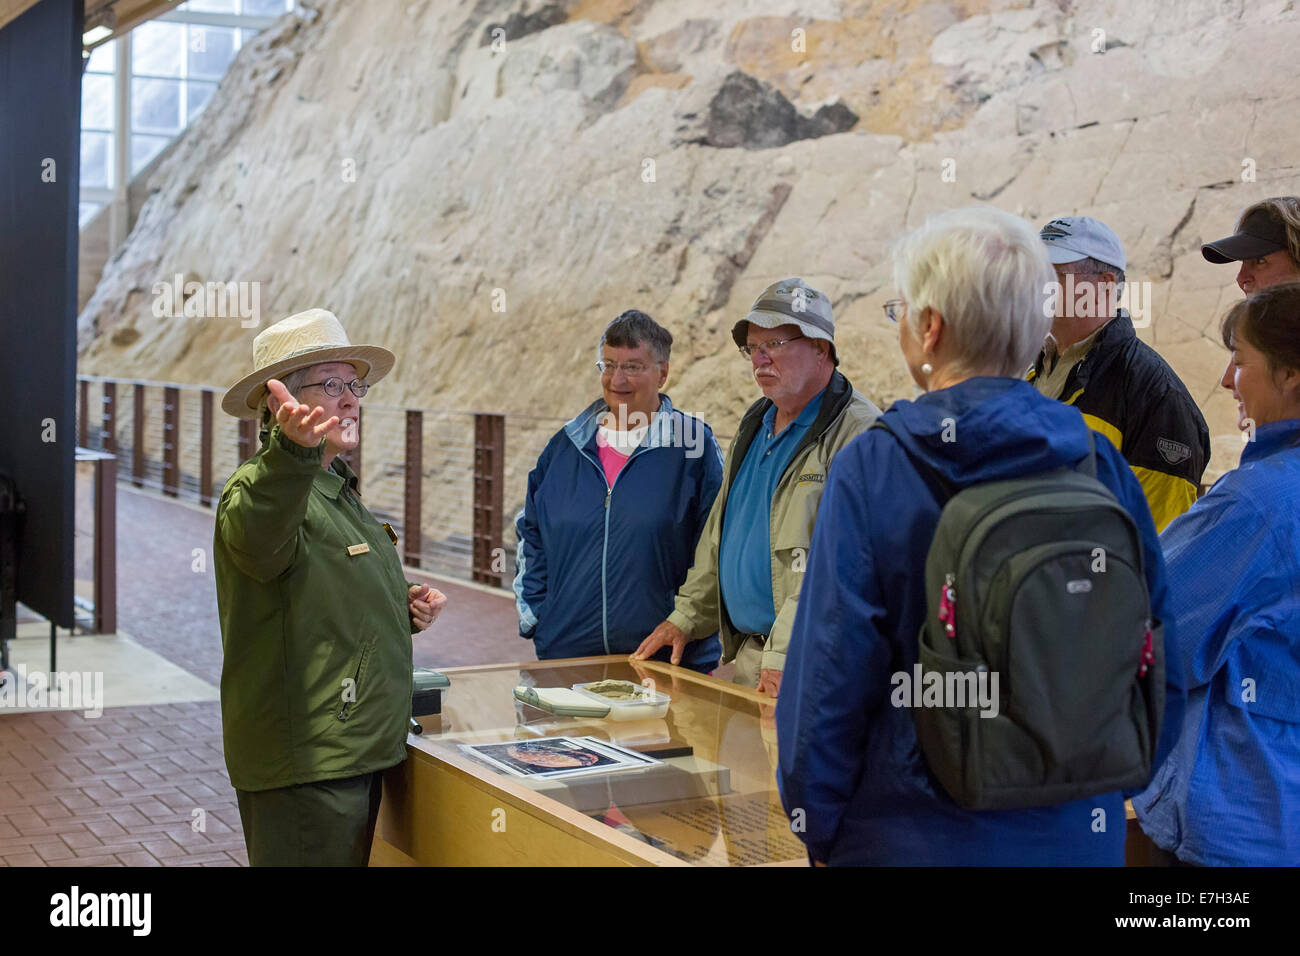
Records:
x=615, y=507
x=971, y=314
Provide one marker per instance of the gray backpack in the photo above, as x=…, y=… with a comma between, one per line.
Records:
x=1036, y=596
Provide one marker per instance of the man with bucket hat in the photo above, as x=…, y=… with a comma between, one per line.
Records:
x=316, y=618
x=1093, y=360
x=750, y=559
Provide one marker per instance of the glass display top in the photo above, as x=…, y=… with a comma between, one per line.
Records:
x=711, y=797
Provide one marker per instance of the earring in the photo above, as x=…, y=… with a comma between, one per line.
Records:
x=927, y=368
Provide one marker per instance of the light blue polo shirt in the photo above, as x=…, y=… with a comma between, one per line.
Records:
x=745, y=553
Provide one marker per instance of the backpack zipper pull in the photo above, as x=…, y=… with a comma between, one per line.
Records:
x=948, y=606
x=1148, y=655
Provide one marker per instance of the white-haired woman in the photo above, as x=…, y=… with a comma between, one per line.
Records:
x=971, y=318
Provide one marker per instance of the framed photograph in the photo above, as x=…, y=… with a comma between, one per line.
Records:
x=557, y=757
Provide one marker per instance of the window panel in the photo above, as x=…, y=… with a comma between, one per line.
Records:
x=196, y=97
x=86, y=212
x=210, y=51
x=157, y=48
x=144, y=149
x=155, y=106
x=163, y=99
x=97, y=160
x=96, y=101
x=265, y=8
x=102, y=58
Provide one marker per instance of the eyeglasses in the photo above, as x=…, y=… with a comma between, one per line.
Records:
x=767, y=348
x=895, y=309
x=334, y=387
x=630, y=369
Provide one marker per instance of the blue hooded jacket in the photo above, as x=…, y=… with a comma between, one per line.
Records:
x=1229, y=794
x=848, y=759
x=597, y=567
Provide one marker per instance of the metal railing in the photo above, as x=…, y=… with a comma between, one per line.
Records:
x=449, y=482
x=95, y=548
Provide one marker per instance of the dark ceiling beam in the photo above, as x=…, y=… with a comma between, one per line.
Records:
x=13, y=9
x=127, y=14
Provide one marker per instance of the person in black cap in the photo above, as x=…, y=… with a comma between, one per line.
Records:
x=1093, y=360
x=1266, y=243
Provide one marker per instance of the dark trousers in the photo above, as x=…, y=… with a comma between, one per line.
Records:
x=328, y=823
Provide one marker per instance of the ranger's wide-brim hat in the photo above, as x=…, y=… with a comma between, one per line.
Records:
x=314, y=337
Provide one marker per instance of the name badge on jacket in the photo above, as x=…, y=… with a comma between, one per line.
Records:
x=355, y=549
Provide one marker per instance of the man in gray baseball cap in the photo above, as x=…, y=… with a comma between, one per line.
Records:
x=749, y=562
x=1093, y=360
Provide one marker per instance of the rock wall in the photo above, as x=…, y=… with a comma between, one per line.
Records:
x=418, y=166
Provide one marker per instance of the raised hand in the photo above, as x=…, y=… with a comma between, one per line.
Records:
x=301, y=424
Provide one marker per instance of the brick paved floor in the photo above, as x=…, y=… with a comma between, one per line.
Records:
x=123, y=788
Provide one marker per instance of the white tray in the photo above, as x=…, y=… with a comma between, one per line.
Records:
x=652, y=707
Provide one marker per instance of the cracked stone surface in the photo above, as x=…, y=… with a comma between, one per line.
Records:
x=376, y=160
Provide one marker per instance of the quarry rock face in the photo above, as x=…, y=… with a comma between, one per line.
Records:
x=744, y=111
x=482, y=186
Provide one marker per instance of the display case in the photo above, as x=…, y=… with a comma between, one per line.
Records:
x=709, y=799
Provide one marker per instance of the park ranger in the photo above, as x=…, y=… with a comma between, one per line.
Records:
x=316, y=618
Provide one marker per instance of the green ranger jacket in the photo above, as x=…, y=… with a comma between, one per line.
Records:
x=315, y=624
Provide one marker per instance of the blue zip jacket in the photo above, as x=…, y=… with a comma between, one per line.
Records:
x=848, y=759
x=597, y=567
x=1229, y=794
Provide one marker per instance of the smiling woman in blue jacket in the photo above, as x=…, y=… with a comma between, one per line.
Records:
x=1229, y=794
x=971, y=320
x=614, y=509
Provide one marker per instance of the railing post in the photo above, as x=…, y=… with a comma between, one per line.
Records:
x=108, y=419
x=171, y=441
x=205, y=449
x=489, y=487
x=105, y=560
x=414, y=484
x=247, y=438
x=83, y=426
x=137, y=450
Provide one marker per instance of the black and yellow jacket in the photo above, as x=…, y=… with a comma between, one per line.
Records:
x=1128, y=393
